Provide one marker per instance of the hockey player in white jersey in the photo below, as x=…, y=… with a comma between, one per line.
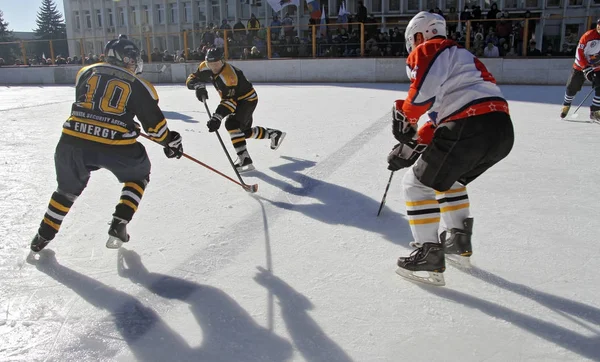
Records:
x=469, y=130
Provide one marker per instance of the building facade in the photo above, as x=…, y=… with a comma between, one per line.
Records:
x=161, y=23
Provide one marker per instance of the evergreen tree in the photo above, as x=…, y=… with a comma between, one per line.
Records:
x=8, y=52
x=51, y=26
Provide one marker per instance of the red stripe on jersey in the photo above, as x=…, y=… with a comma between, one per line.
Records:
x=478, y=109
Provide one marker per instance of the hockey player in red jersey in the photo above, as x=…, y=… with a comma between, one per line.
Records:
x=238, y=102
x=101, y=133
x=586, y=66
x=469, y=130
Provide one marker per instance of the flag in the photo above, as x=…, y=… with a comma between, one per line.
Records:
x=343, y=14
x=44, y=56
x=313, y=9
x=322, y=27
x=277, y=5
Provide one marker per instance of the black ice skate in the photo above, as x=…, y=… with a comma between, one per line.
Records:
x=117, y=234
x=565, y=110
x=243, y=163
x=428, y=258
x=457, y=243
x=276, y=137
x=38, y=243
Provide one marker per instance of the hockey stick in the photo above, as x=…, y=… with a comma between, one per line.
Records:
x=249, y=188
x=162, y=69
x=575, y=115
x=385, y=193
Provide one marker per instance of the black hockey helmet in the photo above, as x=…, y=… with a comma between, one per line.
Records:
x=214, y=54
x=124, y=53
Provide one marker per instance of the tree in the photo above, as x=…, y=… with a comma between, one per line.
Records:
x=8, y=52
x=51, y=26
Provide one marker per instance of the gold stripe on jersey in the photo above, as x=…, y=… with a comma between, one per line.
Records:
x=247, y=95
x=229, y=76
x=99, y=124
x=252, y=99
x=150, y=88
x=229, y=104
x=98, y=139
x=159, y=132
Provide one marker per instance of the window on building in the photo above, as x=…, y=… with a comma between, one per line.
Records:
x=471, y=3
x=412, y=5
x=121, y=16
x=88, y=19
x=77, y=20
x=135, y=13
x=99, y=18
x=187, y=12
x=510, y=4
x=531, y=3
x=111, y=21
x=451, y=4
x=553, y=3
x=201, y=5
x=431, y=4
x=375, y=6
x=145, y=14
x=575, y=2
x=160, y=13
x=394, y=5
x=173, y=13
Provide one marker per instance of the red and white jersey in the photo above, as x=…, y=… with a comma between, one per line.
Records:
x=449, y=83
x=588, y=51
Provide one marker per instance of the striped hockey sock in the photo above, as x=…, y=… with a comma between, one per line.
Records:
x=131, y=196
x=58, y=207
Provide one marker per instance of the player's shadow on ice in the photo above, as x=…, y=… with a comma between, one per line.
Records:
x=308, y=337
x=335, y=204
x=228, y=332
x=176, y=116
x=576, y=312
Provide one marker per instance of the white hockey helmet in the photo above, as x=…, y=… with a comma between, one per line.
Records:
x=426, y=23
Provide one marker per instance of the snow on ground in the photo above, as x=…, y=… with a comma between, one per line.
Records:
x=303, y=270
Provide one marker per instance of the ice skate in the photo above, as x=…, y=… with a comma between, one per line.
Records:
x=457, y=244
x=428, y=260
x=243, y=163
x=565, y=110
x=38, y=243
x=276, y=137
x=595, y=116
x=117, y=234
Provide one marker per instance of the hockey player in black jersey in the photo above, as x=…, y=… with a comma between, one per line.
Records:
x=101, y=133
x=238, y=102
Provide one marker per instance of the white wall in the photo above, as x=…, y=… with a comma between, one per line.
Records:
x=540, y=71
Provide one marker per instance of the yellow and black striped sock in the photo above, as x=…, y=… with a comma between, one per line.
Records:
x=58, y=208
x=131, y=196
x=238, y=139
x=257, y=133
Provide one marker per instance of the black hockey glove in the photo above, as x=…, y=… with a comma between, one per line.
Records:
x=201, y=93
x=589, y=74
x=214, y=123
x=194, y=83
x=174, y=148
x=402, y=129
x=405, y=155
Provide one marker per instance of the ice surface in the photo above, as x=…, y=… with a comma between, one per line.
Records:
x=303, y=270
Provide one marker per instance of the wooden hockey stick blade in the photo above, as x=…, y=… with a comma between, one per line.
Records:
x=251, y=188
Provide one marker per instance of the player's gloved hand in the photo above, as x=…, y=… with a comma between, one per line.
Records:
x=193, y=83
x=174, y=148
x=589, y=74
x=405, y=155
x=201, y=93
x=214, y=123
x=402, y=129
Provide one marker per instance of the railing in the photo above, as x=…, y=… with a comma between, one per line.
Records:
x=317, y=40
